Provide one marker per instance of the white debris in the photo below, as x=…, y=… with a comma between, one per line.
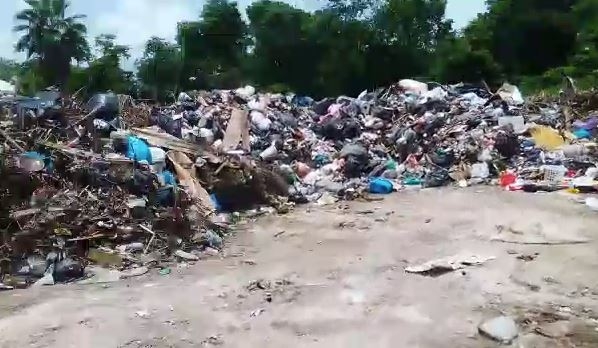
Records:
x=448, y=264
x=185, y=255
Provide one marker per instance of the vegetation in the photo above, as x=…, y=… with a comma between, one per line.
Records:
x=52, y=39
x=345, y=47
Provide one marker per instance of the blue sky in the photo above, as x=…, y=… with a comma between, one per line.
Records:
x=134, y=21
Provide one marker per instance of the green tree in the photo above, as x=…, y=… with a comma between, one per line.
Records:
x=52, y=38
x=333, y=39
x=456, y=61
x=8, y=69
x=281, y=52
x=222, y=32
x=349, y=10
x=158, y=70
x=414, y=24
x=213, y=48
x=585, y=59
x=525, y=44
x=407, y=35
x=191, y=55
x=105, y=71
x=29, y=79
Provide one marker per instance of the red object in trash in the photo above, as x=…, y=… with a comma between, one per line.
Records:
x=507, y=178
x=571, y=173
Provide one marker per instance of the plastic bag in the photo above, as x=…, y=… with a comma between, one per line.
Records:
x=413, y=86
x=381, y=185
x=480, y=170
x=436, y=178
x=510, y=94
x=138, y=150
x=245, y=92
x=517, y=122
x=106, y=106
x=167, y=123
x=260, y=121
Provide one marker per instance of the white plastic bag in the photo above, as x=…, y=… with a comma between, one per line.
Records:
x=510, y=94
x=517, y=122
x=257, y=104
x=245, y=92
x=480, y=170
x=413, y=86
x=437, y=94
x=260, y=121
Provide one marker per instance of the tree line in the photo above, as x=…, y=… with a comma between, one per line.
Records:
x=347, y=46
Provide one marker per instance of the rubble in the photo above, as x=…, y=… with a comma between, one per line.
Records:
x=130, y=186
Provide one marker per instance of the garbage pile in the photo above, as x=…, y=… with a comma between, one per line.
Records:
x=80, y=187
x=410, y=135
x=129, y=185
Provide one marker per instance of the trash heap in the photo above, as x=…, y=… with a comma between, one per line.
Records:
x=414, y=135
x=129, y=185
x=81, y=187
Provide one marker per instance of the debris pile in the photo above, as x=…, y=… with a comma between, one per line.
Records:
x=127, y=184
x=80, y=188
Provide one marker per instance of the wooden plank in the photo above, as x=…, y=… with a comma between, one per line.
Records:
x=237, y=131
x=185, y=172
x=161, y=139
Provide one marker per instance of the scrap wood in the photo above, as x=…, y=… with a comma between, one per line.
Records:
x=69, y=151
x=186, y=175
x=145, y=250
x=224, y=164
x=556, y=242
x=96, y=235
x=165, y=140
x=237, y=131
x=32, y=211
x=11, y=140
x=24, y=213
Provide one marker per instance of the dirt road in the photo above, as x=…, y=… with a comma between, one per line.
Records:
x=335, y=277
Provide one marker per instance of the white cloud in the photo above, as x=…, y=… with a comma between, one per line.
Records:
x=134, y=21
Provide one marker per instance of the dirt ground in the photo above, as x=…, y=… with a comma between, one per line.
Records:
x=335, y=276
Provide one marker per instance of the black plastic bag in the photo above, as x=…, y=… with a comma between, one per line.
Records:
x=165, y=122
x=436, y=178
x=105, y=105
x=356, y=159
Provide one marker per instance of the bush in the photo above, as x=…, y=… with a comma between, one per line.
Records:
x=279, y=88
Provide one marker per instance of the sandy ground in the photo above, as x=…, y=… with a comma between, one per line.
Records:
x=335, y=276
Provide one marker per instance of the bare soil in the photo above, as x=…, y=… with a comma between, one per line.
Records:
x=334, y=276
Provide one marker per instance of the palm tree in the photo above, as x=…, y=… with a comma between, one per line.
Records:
x=52, y=38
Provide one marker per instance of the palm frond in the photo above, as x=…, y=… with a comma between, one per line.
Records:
x=27, y=15
x=58, y=8
x=21, y=27
x=77, y=16
x=79, y=27
x=33, y=3
x=23, y=43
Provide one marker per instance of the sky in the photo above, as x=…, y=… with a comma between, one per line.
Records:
x=135, y=21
